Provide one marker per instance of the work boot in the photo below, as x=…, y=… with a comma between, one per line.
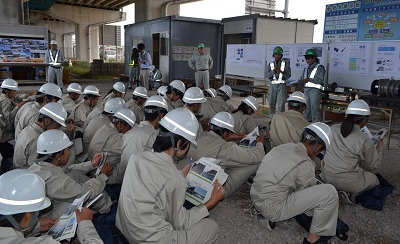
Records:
x=270, y=225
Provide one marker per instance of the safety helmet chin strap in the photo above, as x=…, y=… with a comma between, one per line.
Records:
x=17, y=226
x=46, y=126
x=316, y=141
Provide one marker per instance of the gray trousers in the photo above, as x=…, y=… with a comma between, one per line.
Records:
x=236, y=178
x=55, y=73
x=203, y=232
x=313, y=112
x=144, y=78
x=353, y=182
x=202, y=77
x=277, y=96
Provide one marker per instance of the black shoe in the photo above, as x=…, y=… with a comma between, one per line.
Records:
x=270, y=225
x=130, y=87
x=319, y=241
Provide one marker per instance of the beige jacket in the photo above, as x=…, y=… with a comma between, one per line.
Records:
x=21, y=111
x=243, y=123
x=151, y=201
x=25, y=146
x=215, y=105
x=29, y=117
x=169, y=102
x=80, y=113
x=287, y=127
x=8, y=108
x=93, y=114
x=136, y=109
x=91, y=129
x=68, y=103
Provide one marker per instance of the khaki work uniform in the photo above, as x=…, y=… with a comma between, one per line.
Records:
x=285, y=186
x=238, y=162
x=91, y=129
x=178, y=104
x=86, y=233
x=21, y=111
x=215, y=105
x=68, y=103
x=137, y=140
x=287, y=127
x=107, y=139
x=201, y=64
x=29, y=117
x=150, y=207
x=25, y=146
x=348, y=161
x=169, y=103
x=244, y=123
x=136, y=109
x=97, y=111
x=64, y=187
x=8, y=110
x=80, y=113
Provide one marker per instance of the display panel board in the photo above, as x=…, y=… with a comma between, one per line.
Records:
x=246, y=60
x=22, y=50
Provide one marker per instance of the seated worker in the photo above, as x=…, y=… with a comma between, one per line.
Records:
x=352, y=156
x=118, y=90
x=285, y=185
x=51, y=116
x=244, y=123
x=141, y=137
x=288, y=127
x=8, y=108
x=64, y=186
x=48, y=92
x=193, y=99
x=23, y=195
x=218, y=103
x=162, y=91
x=109, y=139
x=70, y=100
x=210, y=92
x=110, y=108
x=150, y=207
x=83, y=108
x=139, y=97
x=174, y=94
x=238, y=162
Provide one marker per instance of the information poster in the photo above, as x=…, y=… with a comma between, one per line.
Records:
x=22, y=50
x=350, y=58
x=387, y=58
x=234, y=55
x=185, y=52
x=300, y=49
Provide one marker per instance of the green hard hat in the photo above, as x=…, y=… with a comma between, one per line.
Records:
x=278, y=50
x=201, y=45
x=311, y=52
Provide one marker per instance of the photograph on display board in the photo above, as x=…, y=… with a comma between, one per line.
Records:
x=22, y=50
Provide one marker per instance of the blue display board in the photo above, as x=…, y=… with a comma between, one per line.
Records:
x=367, y=20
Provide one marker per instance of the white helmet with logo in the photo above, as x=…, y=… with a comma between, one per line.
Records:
x=223, y=120
x=157, y=101
x=74, y=88
x=194, y=95
x=55, y=111
x=10, y=84
x=226, y=90
x=297, y=97
x=323, y=131
x=140, y=91
x=162, y=90
x=119, y=86
x=51, y=89
x=22, y=191
x=358, y=107
x=113, y=105
x=182, y=122
x=52, y=141
x=91, y=90
x=251, y=102
x=179, y=85
x=211, y=91
x=126, y=115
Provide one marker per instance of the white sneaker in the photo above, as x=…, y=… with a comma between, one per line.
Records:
x=345, y=197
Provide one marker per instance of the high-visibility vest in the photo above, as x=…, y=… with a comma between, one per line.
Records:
x=312, y=75
x=132, y=63
x=53, y=60
x=274, y=79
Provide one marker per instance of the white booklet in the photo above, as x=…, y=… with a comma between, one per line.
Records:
x=101, y=164
x=65, y=228
x=250, y=140
x=374, y=138
x=201, y=177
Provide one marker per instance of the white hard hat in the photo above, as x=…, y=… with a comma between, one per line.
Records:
x=113, y=105
x=323, y=131
x=51, y=89
x=52, y=141
x=358, y=107
x=182, y=122
x=194, y=95
x=55, y=111
x=10, y=84
x=53, y=42
x=211, y=91
x=162, y=90
x=126, y=115
x=22, y=191
x=119, y=86
x=227, y=90
x=140, y=91
x=91, y=90
x=251, y=102
x=179, y=85
x=157, y=101
x=297, y=97
x=223, y=120
x=75, y=88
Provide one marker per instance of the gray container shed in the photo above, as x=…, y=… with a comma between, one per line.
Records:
x=172, y=40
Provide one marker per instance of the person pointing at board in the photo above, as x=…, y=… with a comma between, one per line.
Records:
x=277, y=72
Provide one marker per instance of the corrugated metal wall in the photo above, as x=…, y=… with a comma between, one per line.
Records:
x=110, y=35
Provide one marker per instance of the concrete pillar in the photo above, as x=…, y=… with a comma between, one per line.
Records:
x=11, y=12
x=94, y=42
x=68, y=47
x=151, y=9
